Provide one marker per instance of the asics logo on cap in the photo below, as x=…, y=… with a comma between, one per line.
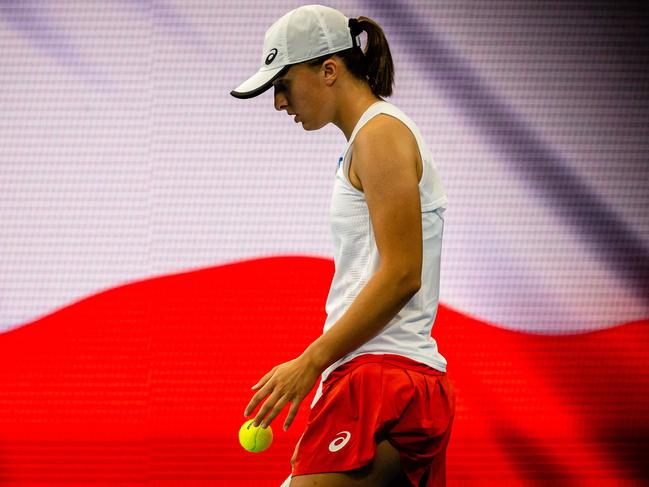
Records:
x=271, y=56
x=339, y=441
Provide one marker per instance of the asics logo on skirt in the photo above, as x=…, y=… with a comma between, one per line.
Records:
x=340, y=441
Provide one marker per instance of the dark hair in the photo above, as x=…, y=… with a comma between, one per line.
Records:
x=372, y=64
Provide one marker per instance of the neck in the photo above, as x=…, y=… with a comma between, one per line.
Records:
x=352, y=104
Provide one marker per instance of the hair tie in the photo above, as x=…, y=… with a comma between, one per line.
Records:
x=355, y=29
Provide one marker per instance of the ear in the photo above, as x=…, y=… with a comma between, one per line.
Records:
x=330, y=71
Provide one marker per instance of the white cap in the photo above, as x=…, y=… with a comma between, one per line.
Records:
x=305, y=33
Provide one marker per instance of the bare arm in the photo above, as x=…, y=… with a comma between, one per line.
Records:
x=385, y=157
x=386, y=167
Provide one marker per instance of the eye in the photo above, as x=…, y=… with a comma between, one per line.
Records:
x=280, y=86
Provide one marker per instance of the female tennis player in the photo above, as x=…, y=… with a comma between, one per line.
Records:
x=384, y=408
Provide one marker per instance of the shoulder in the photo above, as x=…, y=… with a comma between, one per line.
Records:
x=384, y=143
x=384, y=129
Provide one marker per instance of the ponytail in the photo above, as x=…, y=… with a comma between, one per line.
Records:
x=379, y=68
x=372, y=64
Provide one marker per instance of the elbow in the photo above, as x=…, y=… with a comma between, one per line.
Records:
x=413, y=285
x=409, y=283
x=404, y=280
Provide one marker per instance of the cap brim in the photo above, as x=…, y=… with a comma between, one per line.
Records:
x=259, y=82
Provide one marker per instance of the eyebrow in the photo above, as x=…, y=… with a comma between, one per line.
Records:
x=280, y=83
x=282, y=79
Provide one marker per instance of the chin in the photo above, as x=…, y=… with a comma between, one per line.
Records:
x=310, y=128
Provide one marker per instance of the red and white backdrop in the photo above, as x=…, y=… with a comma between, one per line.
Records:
x=162, y=244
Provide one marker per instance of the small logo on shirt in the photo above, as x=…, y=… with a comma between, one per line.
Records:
x=271, y=57
x=340, y=441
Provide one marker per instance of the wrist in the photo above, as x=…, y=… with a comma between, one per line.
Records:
x=315, y=357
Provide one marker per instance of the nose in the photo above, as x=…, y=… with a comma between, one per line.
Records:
x=281, y=103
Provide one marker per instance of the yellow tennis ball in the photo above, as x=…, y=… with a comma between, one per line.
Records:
x=255, y=439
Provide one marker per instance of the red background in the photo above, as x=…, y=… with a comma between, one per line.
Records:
x=148, y=382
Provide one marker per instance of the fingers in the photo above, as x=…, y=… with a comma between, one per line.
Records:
x=261, y=393
x=292, y=412
x=273, y=406
x=257, y=398
x=283, y=384
x=264, y=379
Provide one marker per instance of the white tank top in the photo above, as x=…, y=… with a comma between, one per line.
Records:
x=356, y=257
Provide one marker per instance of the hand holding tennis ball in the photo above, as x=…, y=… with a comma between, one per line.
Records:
x=254, y=438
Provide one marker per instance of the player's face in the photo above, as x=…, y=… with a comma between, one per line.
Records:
x=300, y=92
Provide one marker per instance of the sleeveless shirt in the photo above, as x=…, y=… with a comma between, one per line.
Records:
x=356, y=257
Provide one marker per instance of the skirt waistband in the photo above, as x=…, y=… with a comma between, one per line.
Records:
x=391, y=359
